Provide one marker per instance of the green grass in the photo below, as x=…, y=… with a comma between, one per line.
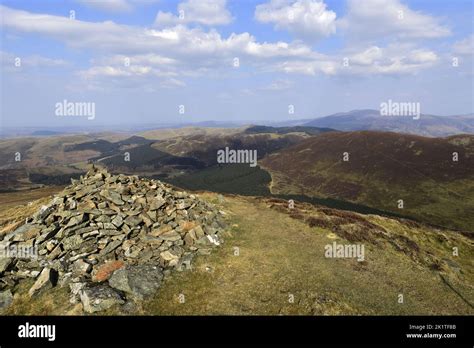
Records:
x=281, y=256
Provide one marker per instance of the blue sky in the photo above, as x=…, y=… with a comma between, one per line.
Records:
x=321, y=56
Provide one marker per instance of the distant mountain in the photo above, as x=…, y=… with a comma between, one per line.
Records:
x=286, y=130
x=287, y=123
x=45, y=133
x=426, y=125
x=211, y=124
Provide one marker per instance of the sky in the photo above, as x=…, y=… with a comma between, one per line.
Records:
x=161, y=61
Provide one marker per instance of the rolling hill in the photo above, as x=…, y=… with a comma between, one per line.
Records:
x=383, y=168
x=302, y=162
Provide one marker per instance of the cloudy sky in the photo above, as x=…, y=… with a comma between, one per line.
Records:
x=243, y=60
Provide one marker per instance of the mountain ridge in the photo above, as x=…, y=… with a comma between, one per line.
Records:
x=370, y=119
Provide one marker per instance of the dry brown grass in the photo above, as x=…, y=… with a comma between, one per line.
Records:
x=16, y=206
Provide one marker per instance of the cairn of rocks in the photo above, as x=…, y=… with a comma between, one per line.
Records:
x=110, y=238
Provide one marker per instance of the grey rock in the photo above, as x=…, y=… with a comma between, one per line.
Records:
x=170, y=236
x=117, y=221
x=47, y=233
x=5, y=263
x=19, y=235
x=55, y=253
x=90, y=234
x=73, y=242
x=133, y=221
x=171, y=259
x=157, y=203
x=137, y=281
x=80, y=267
x=113, y=232
x=112, y=196
x=111, y=247
x=199, y=232
x=98, y=298
x=6, y=299
x=47, y=279
x=76, y=220
x=44, y=211
x=76, y=288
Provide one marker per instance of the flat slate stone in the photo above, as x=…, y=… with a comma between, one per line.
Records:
x=138, y=281
x=98, y=298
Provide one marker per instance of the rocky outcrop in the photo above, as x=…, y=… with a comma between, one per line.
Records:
x=110, y=238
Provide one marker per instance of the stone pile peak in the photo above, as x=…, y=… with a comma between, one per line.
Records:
x=111, y=238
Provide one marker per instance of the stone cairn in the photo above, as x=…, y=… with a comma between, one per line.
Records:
x=110, y=238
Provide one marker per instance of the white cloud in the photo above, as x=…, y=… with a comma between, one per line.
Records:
x=367, y=57
x=278, y=85
x=382, y=19
x=179, y=42
x=75, y=33
x=148, y=78
x=391, y=60
x=150, y=59
x=420, y=56
x=114, y=71
x=465, y=46
x=306, y=19
x=394, y=59
x=308, y=67
x=165, y=56
x=207, y=12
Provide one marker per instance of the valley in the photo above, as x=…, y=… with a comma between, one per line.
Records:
x=427, y=179
x=346, y=188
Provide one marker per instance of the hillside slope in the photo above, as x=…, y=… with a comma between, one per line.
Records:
x=273, y=254
x=383, y=168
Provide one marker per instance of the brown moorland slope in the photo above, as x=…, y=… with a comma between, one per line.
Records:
x=383, y=168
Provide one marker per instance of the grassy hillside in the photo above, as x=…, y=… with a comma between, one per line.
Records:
x=383, y=168
x=204, y=147
x=241, y=179
x=160, y=153
x=281, y=253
